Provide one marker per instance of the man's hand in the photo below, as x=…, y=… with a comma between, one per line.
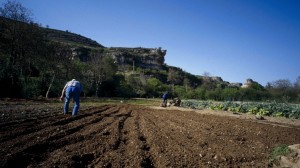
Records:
x=61, y=98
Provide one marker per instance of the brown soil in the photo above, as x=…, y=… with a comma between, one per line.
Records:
x=137, y=136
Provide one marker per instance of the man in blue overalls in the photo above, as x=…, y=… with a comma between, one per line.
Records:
x=72, y=89
x=165, y=98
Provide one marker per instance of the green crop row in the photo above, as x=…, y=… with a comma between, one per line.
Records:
x=258, y=108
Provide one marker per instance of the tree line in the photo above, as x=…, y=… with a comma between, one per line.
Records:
x=34, y=66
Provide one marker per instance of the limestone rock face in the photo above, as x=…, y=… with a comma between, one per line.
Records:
x=248, y=83
x=139, y=57
x=212, y=78
x=81, y=48
x=236, y=85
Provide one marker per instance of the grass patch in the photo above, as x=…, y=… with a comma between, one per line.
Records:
x=134, y=101
x=280, y=150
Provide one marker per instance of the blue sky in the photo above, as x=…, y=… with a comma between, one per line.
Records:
x=233, y=39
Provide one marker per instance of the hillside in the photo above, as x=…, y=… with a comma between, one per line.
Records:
x=82, y=46
x=145, y=58
x=70, y=38
x=139, y=57
x=42, y=54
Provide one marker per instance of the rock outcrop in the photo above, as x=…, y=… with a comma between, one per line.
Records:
x=235, y=85
x=139, y=57
x=248, y=83
x=82, y=47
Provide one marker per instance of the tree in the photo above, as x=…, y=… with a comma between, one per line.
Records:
x=53, y=70
x=282, y=84
x=174, y=77
x=297, y=86
x=16, y=11
x=180, y=92
x=155, y=88
x=297, y=83
x=269, y=85
x=206, y=74
x=102, y=68
x=186, y=83
x=230, y=94
x=19, y=36
x=200, y=92
x=20, y=41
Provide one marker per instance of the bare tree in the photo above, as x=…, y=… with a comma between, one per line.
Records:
x=297, y=87
x=60, y=68
x=282, y=84
x=50, y=85
x=97, y=69
x=16, y=11
x=21, y=37
x=102, y=68
x=18, y=42
x=297, y=83
x=206, y=74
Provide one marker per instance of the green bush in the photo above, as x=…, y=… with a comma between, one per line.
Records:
x=32, y=88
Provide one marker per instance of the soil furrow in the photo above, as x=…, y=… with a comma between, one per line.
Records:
x=93, y=145
x=136, y=136
x=38, y=125
x=117, y=143
x=44, y=142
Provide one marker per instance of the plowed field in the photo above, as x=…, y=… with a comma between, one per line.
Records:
x=135, y=136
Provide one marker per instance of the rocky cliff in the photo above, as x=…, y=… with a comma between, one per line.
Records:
x=148, y=58
x=139, y=57
x=81, y=48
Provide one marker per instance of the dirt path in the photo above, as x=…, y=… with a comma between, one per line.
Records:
x=138, y=136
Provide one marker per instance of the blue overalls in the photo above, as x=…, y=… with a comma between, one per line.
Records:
x=165, y=97
x=73, y=91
